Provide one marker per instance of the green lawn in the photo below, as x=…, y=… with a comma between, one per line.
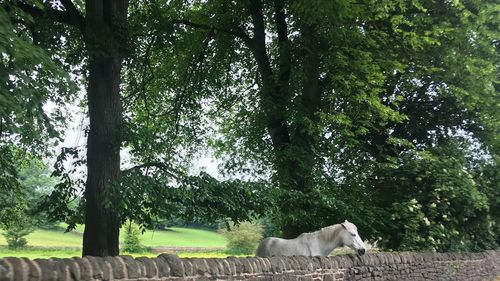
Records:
x=57, y=243
x=174, y=237
x=182, y=237
x=35, y=253
x=51, y=238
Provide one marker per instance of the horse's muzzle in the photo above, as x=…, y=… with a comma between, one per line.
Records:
x=361, y=252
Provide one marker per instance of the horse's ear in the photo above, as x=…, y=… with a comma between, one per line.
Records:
x=346, y=221
x=342, y=224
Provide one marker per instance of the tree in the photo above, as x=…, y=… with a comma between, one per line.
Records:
x=25, y=182
x=16, y=223
x=317, y=93
x=435, y=202
x=311, y=97
x=102, y=32
x=132, y=242
x=105, y=25
x=93, y=46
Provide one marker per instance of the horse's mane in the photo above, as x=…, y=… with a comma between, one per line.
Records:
x=329, y=232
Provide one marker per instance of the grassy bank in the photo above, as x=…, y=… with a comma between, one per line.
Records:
x=173, y=237
x=56, y=243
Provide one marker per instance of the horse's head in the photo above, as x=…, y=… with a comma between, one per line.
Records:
x=351, y=239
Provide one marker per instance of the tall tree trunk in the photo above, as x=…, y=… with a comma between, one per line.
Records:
x=303, y=139
x=103, y=20
x=293, y=148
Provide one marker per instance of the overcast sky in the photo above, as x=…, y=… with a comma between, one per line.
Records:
x=75, y=136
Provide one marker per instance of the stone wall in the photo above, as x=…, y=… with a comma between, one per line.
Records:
x=376, y=266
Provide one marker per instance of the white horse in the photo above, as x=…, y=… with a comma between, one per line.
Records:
x=318, y=243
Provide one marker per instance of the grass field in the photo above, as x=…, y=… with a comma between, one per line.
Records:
x=183, y=237
x=57, y=243
x=174, y=237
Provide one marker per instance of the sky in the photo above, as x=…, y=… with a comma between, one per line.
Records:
x=74, y=136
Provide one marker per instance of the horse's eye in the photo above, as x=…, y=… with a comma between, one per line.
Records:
x=353, y=234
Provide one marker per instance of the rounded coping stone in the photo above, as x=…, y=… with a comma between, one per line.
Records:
x=162, y=267
x=293, y=263
x=266, y=265
x=199, y=266
x=174, y=263
x=404, y=257
x=286, y=263
x=324, y=262
x=141, y=266
x=258, y=266
x=351, y=258
x=387, y=259
x=346, y=261
x=316, y=264
x=49, y=272
x=247, y=265
x=188, y=266
x=236, y=265
x=118, y=266
x=73, y=270
x=133, y=269
x=255, y=265
x=17, y=268
x=356, y=260
x=62, y=268
x=276, y=264
x=290, y=263
x=215, y=267
x=85, y=268
x=149, y=267
x=34, y=270
x=376, y=262
x=304, y=263
x=6, y=273
x=227, y=269
x=98, y=269
x=365, y=260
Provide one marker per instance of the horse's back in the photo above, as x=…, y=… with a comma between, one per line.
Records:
x=273, y=246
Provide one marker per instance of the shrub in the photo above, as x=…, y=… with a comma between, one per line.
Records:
x=132, y=242
x=243, y=238
x=15, y=237
x=18, y=226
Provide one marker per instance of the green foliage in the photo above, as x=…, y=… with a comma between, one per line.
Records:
x=15, y=237
x=393, y=83
x=132, y=242
x=349, y=110
x=25, y=180
x=65, y=202
x=31, y=78
x=199, y=198
x=10, y=188
x=243, y=237
x=434, y=203
x=18, y=225
x=35, y=89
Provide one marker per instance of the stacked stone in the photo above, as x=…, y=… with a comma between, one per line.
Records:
x=377, y=266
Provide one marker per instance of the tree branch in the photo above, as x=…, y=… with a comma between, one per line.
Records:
x=160, y=165
x=235, y=31
x=72, y=13
x=284, y=60
x=71, y=16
